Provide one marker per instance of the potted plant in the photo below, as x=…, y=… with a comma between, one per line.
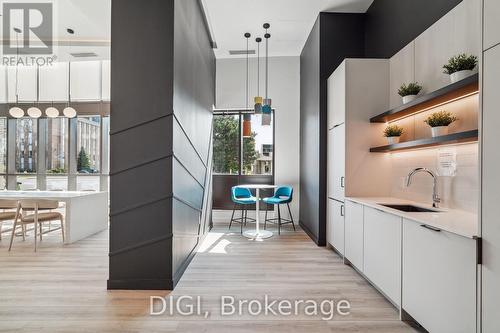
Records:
x=409, y=92
x=439, y=122
x=461, y=66
x=393, y=134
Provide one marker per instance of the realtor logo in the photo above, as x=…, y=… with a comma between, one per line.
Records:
x=27, y=28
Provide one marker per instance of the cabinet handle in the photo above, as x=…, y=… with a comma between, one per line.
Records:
x=342, y=210
x=342, y=181
x=430, y=228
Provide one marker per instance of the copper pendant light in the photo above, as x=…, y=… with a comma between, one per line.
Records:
x=247, y=118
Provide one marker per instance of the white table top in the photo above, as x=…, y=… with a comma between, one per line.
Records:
x=44, y=194
x=257, y=186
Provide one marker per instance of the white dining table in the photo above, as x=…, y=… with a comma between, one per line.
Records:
x=257, y=233
x=86, y=213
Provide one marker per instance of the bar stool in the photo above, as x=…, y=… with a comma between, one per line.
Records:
x=9, y=213
x=282, y=196
x=241, y=196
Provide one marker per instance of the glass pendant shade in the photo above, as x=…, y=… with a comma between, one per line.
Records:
x=258, y=105
x=16, y=112
x=266, y=119
x=52, y=112
x=247, y=128
x=69, y=112
x=266, y=108
x=34, y=112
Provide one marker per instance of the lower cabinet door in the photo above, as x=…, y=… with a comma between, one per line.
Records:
x=382, y=252
x=336, y=224
x=439, y=279
x=354, y=234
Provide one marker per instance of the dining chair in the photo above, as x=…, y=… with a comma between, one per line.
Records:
x=283, y=195
x=241, y=196
x=28, y=212
x=8, y=212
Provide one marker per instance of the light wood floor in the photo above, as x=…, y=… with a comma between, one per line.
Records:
x=63, y=288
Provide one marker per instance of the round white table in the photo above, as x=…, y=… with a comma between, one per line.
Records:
x=257, y=233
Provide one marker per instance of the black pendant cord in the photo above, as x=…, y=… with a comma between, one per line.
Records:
x=247, y=36
x=258, y=40
x=267, y=36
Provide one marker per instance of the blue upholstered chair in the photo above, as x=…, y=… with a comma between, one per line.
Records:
x=243, y=197
x=283, y=195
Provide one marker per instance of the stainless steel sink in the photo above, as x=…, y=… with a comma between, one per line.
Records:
x=411, y=208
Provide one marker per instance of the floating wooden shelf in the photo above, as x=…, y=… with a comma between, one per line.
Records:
x=462, y=137
x=452, y=92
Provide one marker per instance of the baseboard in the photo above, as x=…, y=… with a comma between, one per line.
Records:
x=141, y=284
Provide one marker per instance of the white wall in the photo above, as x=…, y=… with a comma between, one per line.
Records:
x=284, y=89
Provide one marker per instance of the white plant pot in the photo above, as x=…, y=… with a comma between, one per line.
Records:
x=393, y=139
x=460, y=75
x=439, y=131
x=408, y=98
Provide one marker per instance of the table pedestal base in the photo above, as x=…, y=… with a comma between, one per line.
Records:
x=262, y=234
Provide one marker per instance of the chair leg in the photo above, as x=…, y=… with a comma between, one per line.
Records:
x=62, y=230
x=41, y=231
x=36, y=230
x=279, y=220
x=242, y=217
x=265, y=219
x=291, y=217
x=0, y=230
x=232, y=216
x=23, y=231
x=13, y=234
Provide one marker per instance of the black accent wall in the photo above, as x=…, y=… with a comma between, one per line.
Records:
x=163, y=83
x=334, y=37
x=392, y=24
x=381, y=32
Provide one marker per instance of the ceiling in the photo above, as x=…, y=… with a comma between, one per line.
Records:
x=291, y=22
x=91, y=22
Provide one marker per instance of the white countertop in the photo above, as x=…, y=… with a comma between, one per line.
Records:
x=459, y=222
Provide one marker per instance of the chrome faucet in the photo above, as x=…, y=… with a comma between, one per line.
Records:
x=435, y=198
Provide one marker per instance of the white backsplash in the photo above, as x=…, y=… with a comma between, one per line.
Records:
x=458, y=192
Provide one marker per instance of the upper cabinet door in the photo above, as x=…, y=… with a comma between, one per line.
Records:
x=402, y=71
x=491, y=23
x=26, y=83
x=338, y=161
x=54, y=82
x=86, y=81
x=106, y=80
x=336, y=96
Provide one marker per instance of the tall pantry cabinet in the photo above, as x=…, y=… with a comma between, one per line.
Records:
x=357, y=90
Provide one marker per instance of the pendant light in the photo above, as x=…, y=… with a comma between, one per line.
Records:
x=69, y=111
x=258, y=99
x=247, y=118
x=266, y=108
x=52, y=112
x=16, y=111
x=34, y=111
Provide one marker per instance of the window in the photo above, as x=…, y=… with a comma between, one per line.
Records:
x=89, y=145
x=257, y=157
x=226, y=150
x=57, y=146
x=3, y=147
x=26, y=145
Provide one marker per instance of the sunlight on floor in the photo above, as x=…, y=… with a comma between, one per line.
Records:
x=209, y=241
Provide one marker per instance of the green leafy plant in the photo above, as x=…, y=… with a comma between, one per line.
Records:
x=57, y=170
x=441, y=118
x=461, y=62
x=393, y=130
x=411, y=89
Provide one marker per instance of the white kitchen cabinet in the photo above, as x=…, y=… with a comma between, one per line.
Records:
x=439, y=279
x=54, y=82
x=337, y=96
x=491, y=23
x=27, y=85
x=354, y=234
x=490, y=185
x=86, y=81
x=330, y=156
x=106, y=80
x=402, y=71
x=3, y=84
x=382, y=252
x=338, y=162
x=335, y=225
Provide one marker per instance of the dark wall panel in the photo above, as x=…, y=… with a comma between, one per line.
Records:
x=193, y=100
x=392, y=24
x=309, y=133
